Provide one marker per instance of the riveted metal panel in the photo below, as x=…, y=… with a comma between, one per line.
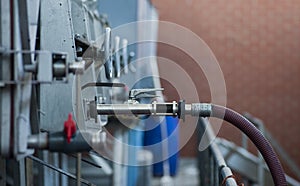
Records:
x=56, y=35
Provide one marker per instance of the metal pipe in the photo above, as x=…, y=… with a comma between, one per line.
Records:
x=188, y=109
x=124, y=109
x=86, y=161
x=143, y=109
x=38, y=141
x=56, y=142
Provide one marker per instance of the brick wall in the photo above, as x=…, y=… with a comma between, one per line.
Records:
x=257, y=44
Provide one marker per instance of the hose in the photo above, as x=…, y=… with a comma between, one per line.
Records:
x=256, y=137
x=207, y=110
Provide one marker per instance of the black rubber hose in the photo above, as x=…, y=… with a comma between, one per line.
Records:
x=256, y=137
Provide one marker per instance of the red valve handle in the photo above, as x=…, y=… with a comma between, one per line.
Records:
x=69, y=128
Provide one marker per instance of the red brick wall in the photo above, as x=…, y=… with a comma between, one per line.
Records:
x=257, y=44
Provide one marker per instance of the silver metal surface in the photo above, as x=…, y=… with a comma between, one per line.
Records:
x=56, y=35
x=77, y=67
x=201, y=109
x=115, y=109
x=5, y=74
x=38, y=141
x=154, y=108
x=59, y=69
x=45, y=67
x=188, y=109
x=80, y=20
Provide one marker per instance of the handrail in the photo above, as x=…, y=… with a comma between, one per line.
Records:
x=213, y=168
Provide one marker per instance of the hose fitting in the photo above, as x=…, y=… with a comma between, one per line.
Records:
x=201, y=109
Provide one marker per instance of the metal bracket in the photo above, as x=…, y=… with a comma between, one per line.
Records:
x=50, y=67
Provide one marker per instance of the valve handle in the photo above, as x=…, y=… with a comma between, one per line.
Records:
x=140, y=93
x=107, y=52
x=69, y=128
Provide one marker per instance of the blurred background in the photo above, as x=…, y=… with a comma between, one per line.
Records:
x=257, y=46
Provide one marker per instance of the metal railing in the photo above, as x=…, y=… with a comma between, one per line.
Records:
x=252, y=168
x=278, y=148
x=212, y=166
